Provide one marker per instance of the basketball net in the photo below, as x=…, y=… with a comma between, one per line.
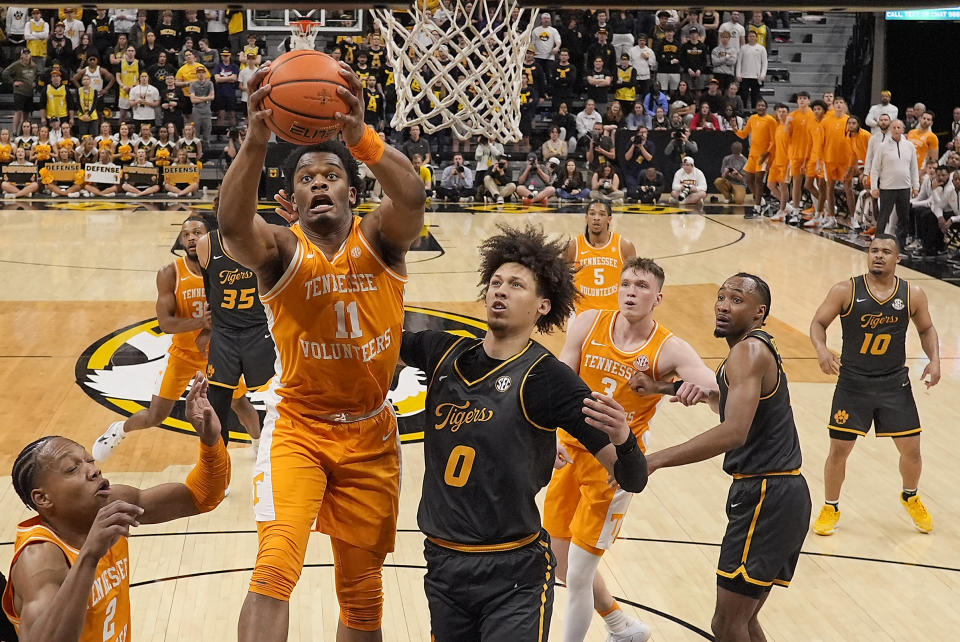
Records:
x=459, y=68
x=303, y=34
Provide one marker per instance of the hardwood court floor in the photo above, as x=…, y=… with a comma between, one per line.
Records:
x=73, y=275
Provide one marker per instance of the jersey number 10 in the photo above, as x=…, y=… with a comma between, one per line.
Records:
x=875, y=343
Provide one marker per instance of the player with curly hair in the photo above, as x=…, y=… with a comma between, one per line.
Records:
x=494, y=405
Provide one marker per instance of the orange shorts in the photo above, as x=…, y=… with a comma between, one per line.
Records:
x=753, y=164
x=581, y=506
x=810, y=171
x=777, y=174
x=343, y=477
x=178, y=370
x=797, y=165
x=836, y=171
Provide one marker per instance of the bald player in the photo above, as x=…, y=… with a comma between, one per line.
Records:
x=761, y=128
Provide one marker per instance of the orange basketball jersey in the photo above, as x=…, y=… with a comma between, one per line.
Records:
x=781, y=147
x=607, y=369
x=108, y=610
x=858, y=146
x=763, y=129
x=801, y=121
x=598, y=274
x=191, y=297
x=337, y=325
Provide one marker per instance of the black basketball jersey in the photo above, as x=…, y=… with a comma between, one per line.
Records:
x=484, y=460
x=231, y=290
x=773, y=445
x=875, y=331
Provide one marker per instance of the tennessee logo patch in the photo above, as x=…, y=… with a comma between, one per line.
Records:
x=841, y=417
x=120, y=370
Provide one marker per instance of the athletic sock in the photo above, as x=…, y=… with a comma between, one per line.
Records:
x=836, y=504
x=615, y=619
x=908, y=493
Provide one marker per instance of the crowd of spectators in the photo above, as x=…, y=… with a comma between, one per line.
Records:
x=613, y=106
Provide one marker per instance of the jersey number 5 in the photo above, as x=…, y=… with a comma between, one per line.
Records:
x=598, y=276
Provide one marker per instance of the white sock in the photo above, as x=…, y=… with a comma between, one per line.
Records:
x=581, y=569
x=616, y=620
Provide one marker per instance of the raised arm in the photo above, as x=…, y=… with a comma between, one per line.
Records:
x=838, y=299
x=397, y=223
x=204, y=487
x=250, y=239
x=929, y=340
x=167, y=317
x=576, y=335
x=744, y=369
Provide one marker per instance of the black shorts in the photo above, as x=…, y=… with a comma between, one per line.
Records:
x=495, y=597
x=22, y=103
x=767, y=521
x=249, y=353
x=886, y=402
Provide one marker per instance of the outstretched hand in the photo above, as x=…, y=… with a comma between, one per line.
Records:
x=200, y=413
x=352, y=124
x=257, y=129
x=608, y=416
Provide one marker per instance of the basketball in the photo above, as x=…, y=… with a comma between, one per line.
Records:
x=303, y=96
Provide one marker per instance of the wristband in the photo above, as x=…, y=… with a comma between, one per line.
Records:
x=676, y=385
x=370, y=148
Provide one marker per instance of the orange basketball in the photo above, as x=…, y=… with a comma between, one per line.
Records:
x=303, y=96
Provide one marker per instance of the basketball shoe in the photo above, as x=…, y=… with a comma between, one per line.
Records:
x=918, y=513
x=826, y=523
x=636, y=631
x=105, y=444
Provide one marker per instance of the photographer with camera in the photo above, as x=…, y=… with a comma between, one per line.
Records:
x=689, y=184
x=599, y=149
x=605, y=185
x=637, y=156
x=679, y=147
x=649, y=186
x=456, y=181
x=498, y=180
x=535, y=183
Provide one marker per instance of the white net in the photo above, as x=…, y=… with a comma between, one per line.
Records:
x=459, y=66
x=303, y=34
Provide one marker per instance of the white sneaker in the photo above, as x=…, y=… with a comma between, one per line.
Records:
x=636, y=631
x=829, y=223
x=105, y=444
x=779, y=216
x=814, y=222
x=499, y=200
x=792, y=209
x=73, y=195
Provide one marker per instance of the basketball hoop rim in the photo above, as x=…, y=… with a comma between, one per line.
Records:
x=305, y=26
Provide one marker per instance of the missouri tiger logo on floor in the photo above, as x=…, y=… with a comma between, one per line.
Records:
x=118, y=372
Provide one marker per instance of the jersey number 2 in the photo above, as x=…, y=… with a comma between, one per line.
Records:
x=109, y=627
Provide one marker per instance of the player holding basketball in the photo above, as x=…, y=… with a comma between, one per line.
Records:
x=598, y=256
x=873, y=385
x=582, y=512
x=70, y=574
x=494, y=404
x=183, y=312
x=332, y=286
x=768, y=506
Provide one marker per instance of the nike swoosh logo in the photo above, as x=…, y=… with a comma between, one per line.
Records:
x=218, y=257
x=860, y=300
x=309, y=256
x=266, y=336
x=599, y=345
x=905, y=384
x=735, y=505
x=442, y=377
x=387, y=436
x=184, y=278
